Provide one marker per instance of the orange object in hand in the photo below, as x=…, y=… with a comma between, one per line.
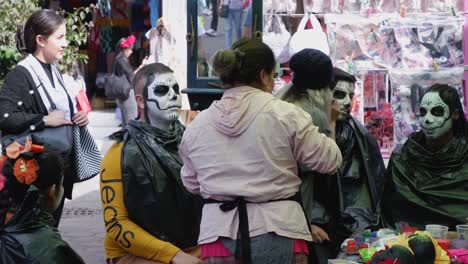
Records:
x=37, y=148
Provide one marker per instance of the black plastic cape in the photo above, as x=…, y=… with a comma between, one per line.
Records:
x=427, y=187
x=328, y=207
x=328, y=200
x=154, y=195
x=27, y=237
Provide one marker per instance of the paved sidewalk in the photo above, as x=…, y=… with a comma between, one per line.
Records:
x=82, y=225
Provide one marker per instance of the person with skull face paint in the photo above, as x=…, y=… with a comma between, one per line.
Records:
x=427, y=176
x=148, y=214
x=241, y=155
x=360, y=177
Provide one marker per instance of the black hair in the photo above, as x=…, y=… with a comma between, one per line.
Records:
x=50, y=172
x=119, y=49
x=146, y=75
x=451, y=97
x=42, y=22
x=340, y=75
x=243, y=62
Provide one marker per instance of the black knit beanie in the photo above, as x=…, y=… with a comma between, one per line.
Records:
x=312, y=69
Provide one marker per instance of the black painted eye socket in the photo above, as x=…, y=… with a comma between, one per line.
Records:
x=161, y=90
x=176, y=88
x=339, y=95
x=422, y=112
x=438, y=111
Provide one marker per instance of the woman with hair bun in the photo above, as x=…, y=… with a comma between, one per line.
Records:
x=241, y=156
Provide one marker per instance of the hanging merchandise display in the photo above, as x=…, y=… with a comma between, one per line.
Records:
x=322, y=6
x=276, y=36
x=357, y=108
x=420, y=41
x=356, y=39
x=355, y=6
x=313, y=38
x=385, y=6
x=280, y=6
x=408, y=87
x=443, y=5
x=378, y=117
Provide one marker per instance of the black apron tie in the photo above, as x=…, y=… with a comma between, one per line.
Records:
x=243, y=241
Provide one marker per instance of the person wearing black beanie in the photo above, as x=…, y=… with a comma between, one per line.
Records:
x=310, y=87
x=311, y=91
x=312, y=69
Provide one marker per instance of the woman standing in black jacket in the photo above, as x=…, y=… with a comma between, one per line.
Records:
x=122, y=66
x=33, y=95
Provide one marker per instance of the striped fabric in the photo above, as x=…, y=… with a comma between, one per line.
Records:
x=86, y=154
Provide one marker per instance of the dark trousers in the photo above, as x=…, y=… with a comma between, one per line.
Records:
x=214, y=10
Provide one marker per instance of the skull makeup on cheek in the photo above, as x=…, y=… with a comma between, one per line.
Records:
x=343, y=94
x=435, y=119
x=163, y=99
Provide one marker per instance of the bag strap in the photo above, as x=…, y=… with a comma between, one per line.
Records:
x=41, y=84
x=70, y=103
x=49, y=98
x=315, y=23
x=303, y=23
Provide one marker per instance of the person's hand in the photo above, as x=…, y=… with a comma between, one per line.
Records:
x=56, y=119
x=219, y=10
x=318, y=234
x=81, y=118
x=184, y=258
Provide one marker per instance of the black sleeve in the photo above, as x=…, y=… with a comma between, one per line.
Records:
x=17, y=108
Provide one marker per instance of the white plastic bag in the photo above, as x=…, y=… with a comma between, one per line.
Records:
x=276, y=36
x=313, y=38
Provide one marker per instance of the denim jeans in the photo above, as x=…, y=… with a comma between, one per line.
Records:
x=233, y=23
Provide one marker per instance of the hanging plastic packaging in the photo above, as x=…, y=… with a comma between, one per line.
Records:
x=422, y=41
x=443, y=5
x=313, y=38
x=408, y=87
x=322, y=6
x=354, y=6
x=385, y=6
x=356, y=39
x=410, y=6
x=279, y=6
x=277, y=37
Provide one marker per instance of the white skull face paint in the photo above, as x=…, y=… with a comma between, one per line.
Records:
x=164, y=99
x=435, y=119
x=343, y=94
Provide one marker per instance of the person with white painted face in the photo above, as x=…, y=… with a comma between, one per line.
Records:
x=427, y=177
x=148, y=214
x=361, y=176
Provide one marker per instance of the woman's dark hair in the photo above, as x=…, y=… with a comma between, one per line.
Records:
x=119, y=49
x=50, y=173
x=243, y=62
x=42, y=22
x=451, y=97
